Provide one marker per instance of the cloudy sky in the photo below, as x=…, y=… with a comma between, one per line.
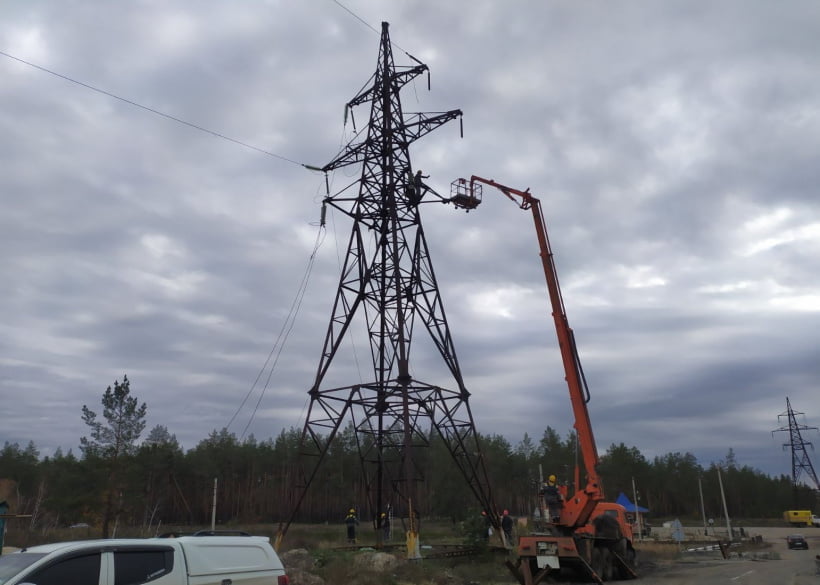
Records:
x=674, y=146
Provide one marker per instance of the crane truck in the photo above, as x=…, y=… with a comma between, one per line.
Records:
x=590, y=536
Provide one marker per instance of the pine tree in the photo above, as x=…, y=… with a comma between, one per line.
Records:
x=113, y=441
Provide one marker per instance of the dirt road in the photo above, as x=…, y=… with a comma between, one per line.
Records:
x=755, y=567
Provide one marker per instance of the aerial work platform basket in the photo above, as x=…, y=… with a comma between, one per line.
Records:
x=465, y=194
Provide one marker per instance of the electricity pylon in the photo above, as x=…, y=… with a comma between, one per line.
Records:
x=387, y=280
x=800, y=457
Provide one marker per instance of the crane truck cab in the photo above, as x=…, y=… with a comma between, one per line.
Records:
x=617, y=526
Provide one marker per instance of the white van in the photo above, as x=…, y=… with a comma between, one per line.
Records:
x=187, y=560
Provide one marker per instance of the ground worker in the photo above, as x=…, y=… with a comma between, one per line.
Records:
x=553, y=498
x=507, y=526
x=487, y=525
x=385, y=527
x=351, y=521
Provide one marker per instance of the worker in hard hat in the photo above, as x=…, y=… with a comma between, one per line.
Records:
x=351, y=521
x=552, y=498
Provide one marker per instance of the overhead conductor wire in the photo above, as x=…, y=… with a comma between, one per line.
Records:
x=284, y=332
x=155, y=111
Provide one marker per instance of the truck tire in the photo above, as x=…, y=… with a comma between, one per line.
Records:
x=609, y=564
x=627, y=553
x=597, y=561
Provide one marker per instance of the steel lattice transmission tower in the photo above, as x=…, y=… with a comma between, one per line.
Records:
x=800, y=457
x=388, y=280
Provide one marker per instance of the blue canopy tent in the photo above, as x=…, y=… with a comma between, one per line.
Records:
x=629, y=506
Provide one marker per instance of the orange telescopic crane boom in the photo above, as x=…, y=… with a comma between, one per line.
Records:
x=591, y=536
x=577, y=510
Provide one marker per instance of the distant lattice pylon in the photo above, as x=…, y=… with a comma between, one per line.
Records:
x=800, y=457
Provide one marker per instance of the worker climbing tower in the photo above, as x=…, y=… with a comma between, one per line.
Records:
x=800, y=457
x=388, y=286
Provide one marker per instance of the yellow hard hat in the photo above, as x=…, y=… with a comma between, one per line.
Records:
x=552, y=478
x=383, y=514
x=351, y=511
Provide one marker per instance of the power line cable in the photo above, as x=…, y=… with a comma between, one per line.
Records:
x=284, y=333
x=371, y=27
x=357, y=17
x=155, y=111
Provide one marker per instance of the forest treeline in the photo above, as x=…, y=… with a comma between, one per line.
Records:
x=118, y=479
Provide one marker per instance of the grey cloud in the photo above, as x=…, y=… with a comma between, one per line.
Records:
x=673, y=147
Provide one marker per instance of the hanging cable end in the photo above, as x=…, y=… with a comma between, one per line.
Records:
x=312, y=168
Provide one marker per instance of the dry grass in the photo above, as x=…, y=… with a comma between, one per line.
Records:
x=653, y=552
x=336, y=562
x=340, y=568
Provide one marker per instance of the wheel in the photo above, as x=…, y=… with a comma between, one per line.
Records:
x=627, y=553
x=630, y=561
x=597, y=561
x=608, y=562
x=621, y=547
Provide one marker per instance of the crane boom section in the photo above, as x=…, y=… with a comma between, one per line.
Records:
x=584, y=501
x=566, y=340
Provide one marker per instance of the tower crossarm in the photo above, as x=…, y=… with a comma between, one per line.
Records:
x=353, y=154
x=417, y=125
x=397, y=80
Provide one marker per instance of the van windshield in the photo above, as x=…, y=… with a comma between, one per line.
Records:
x=12, y=564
